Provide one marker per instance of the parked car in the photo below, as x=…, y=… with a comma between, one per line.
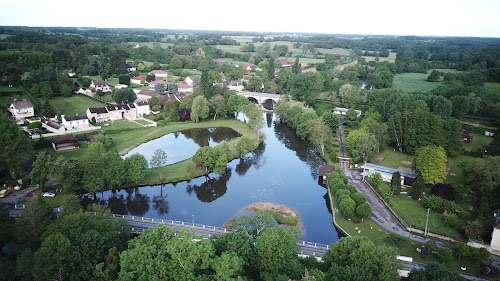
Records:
x=3, y=193
x=49, y=194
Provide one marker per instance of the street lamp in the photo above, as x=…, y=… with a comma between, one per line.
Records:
x=427, y=222
x=192, y=218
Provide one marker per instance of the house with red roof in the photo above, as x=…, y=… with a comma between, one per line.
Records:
x=153, y=83
x=184, y=88
x=159, y=74
x=189, y=80
x=138, y=80
x=253, y=67
x=285, y=63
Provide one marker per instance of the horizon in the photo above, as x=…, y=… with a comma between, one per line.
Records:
x=427, y=18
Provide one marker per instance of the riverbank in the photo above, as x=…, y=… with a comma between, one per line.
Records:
x=282, y=214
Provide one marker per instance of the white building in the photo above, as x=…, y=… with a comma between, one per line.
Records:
x=100, y=85
x=75, y=122
x=159, y=74
x=130, y=67
x=142, y=108
x=495, y=236
x=22, y=109
x=489, y=134
x=138, y=80
x=235, y=86
x=189, y=80
x=184, y=88
x=343, y=111
x=120, y=86
x=129, y=111
x=407, y=178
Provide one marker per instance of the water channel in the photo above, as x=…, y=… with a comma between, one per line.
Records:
x=282, y=170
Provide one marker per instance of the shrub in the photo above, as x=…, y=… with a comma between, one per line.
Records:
x=394, y=239
x=35, y=125
x=364, y=211
x=444, y=190
x=352, y=189
x=342, y=194
x=337, y=186
x=439, y=204
x=452, y=220
x=347, y=207
x=359, y=198
x=375, y=180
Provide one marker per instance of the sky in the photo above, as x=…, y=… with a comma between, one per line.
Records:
x=389, y=17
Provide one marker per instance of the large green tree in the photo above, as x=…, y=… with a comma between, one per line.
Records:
x=481, y=178
x=434, y=271
x=126, y=95
x=306, y=86
x=199, y=109
x=159, y=160
x=430, y=163
x=42, y=168
x=33, y=222
x=136, y=165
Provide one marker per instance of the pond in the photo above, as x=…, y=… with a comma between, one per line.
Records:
x=184, y=144
x=282, y=170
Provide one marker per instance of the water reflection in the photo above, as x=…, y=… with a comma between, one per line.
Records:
x=160, y=204
x=252, y=159
x=188, y=140
x=212, y=188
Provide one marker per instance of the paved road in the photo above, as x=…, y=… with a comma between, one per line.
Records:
x=17, y=197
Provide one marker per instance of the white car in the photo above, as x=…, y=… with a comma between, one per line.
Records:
x=49, y=194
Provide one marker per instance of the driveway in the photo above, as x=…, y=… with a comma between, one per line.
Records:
x=17, y=197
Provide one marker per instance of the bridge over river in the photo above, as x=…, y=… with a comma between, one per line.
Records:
x=261, y=98
x=140, y=224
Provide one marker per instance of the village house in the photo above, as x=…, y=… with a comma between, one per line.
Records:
x=159, y=74
x=138, y=80
x=129, y=111
x=100, y=85
x=70, y=72
x=184, y=88
x=246, y=78
x=253, y=67
x=284, y=63
x=142, y=108
x=75, y=122
x=121, y=111
x=22, y=109
x=343, y=111
x=146, y=94
x=130, y=67
x=189, y=80
x=235, y=86
x=407, y=178
x=65, y=143
x=53, y=127
x=120, y=86
x=97, y=114
x=489, y=134
x=153, y=83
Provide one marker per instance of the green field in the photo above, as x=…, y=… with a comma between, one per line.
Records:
x=76, y=104
x=394, y=159
x=492, y=87
x=414, y=82
x=390, y=58
x=4, y=36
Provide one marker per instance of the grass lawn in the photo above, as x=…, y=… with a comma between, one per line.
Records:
x=54, y=202
x=414, y=82
x=390, y=58
x=4, y=36
x=76, y=104
x=142, y=122
x=492, y=87
x=394, y=159
x=453, y=167
x=478, y=141
x=118, y=125
x=414, y=214
x=334, y=51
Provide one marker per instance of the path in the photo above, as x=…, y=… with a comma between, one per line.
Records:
x=479, y=125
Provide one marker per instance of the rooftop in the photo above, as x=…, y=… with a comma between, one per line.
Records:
x=388, y=170
x=23, y=104
x=75, y=117
x=64, y=139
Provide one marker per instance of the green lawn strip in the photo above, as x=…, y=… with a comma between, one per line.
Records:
x=54, y=202
x=414, y=214
x=394, y=159
x=73, y=105
x=119, y=125
x=492, y=87
x=142, y=122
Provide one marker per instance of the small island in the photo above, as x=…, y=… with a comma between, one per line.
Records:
x=282, y=214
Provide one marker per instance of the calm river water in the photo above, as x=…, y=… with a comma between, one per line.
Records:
x=282, y=170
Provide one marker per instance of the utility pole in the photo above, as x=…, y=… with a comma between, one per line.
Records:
x=427, y=222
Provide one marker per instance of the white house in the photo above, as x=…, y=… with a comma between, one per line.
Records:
x=184, y=88
x=407, y=178
x=138, y=80
x=75, y=122
x=343, y=111
x=142, y=108
x=130, y=67
x=488, y=133
x=129, y=111
x=284, y=63
x=100, y=114
x=153, y=83
x=495, y=236
x=53, y=127
x=70, y=72
x=189, y=80
x=100, y=85
x=120, y=86
x=235, y=86
x=146, y=94
x=22, y=109
x=159, y=74
x=253, y=67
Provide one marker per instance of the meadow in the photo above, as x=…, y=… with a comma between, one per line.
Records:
x=76, y=104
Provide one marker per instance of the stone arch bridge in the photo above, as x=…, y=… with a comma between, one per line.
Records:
x=261, y=98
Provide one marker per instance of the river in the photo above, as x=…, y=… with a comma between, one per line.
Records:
x=282, y=170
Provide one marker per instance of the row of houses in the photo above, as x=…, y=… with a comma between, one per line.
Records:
x=145, y=95
x=130, y=111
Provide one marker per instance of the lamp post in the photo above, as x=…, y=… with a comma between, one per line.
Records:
x=192, y=218
x=427, y=222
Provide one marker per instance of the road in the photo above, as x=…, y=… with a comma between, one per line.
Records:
x=17, y=197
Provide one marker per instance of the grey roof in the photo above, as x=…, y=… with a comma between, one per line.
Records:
x=117, y=107
x=76, y=117
x=388, y=170
x=98, y=110
x=101, y=83
x=23, y=104
x=130, y=65
x=53, y=124
x=147, y=92
x=141, y=102
x=131, y=105
x=64, y=139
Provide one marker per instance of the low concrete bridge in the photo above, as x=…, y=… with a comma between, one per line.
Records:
x=140, y=224
x=261, y=97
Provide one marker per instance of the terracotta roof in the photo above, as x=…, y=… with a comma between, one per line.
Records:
x=139, y=78
x=184, y=86
x=167, y=97
x=23, y=104
x=64, y=139
x=158, y=82
x=246, y=77
x=285, y=62
x=75, y=117
x=158, y=72
x=147, y=92
x=98, y=110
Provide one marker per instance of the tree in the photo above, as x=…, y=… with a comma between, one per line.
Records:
x=430, y=163
x=434, y=271
x=204, y=83
x=351, y=142
x=270, y=68
x=396, y=183
x=126, y=95
x=159, y=160
x=227, y=266
x=482, y=179
x=53, y=259
x=350, y=95
x=160, y=255
x=154, y=102
x=363, y=254
x=461, y=250
x=42, y=168
x=348, y=272
x=274, y=247
x=347, y=207
x=364, y=211
x=173, y=88
x=297, y=67
x=417, y=188
x=445, y=255
x=124, y=79
x=136, y=167
x=33, y=222
x=305, y=86
x=351, y=117
x=46, y=109
x=366, y=149
x=46, y=90
x=359, y=198
x=376, y=180
x=218, y=105
x=213, y=159
x=160, y=88
x=257, y=224
x=331, y=120
x=434, y=76
x=254, y=84
x=244, y=145
x=67, y=90
x=199, y=109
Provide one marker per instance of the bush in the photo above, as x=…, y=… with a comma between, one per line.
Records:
x=352, y=189
x=364, y=211
x=394, y=239
x=337, y=186
x=347, y=207
x=342, y=194
x=452, y=220
x=359, y=198
x=444, y=190
x=439, y=204
x=35, y=125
